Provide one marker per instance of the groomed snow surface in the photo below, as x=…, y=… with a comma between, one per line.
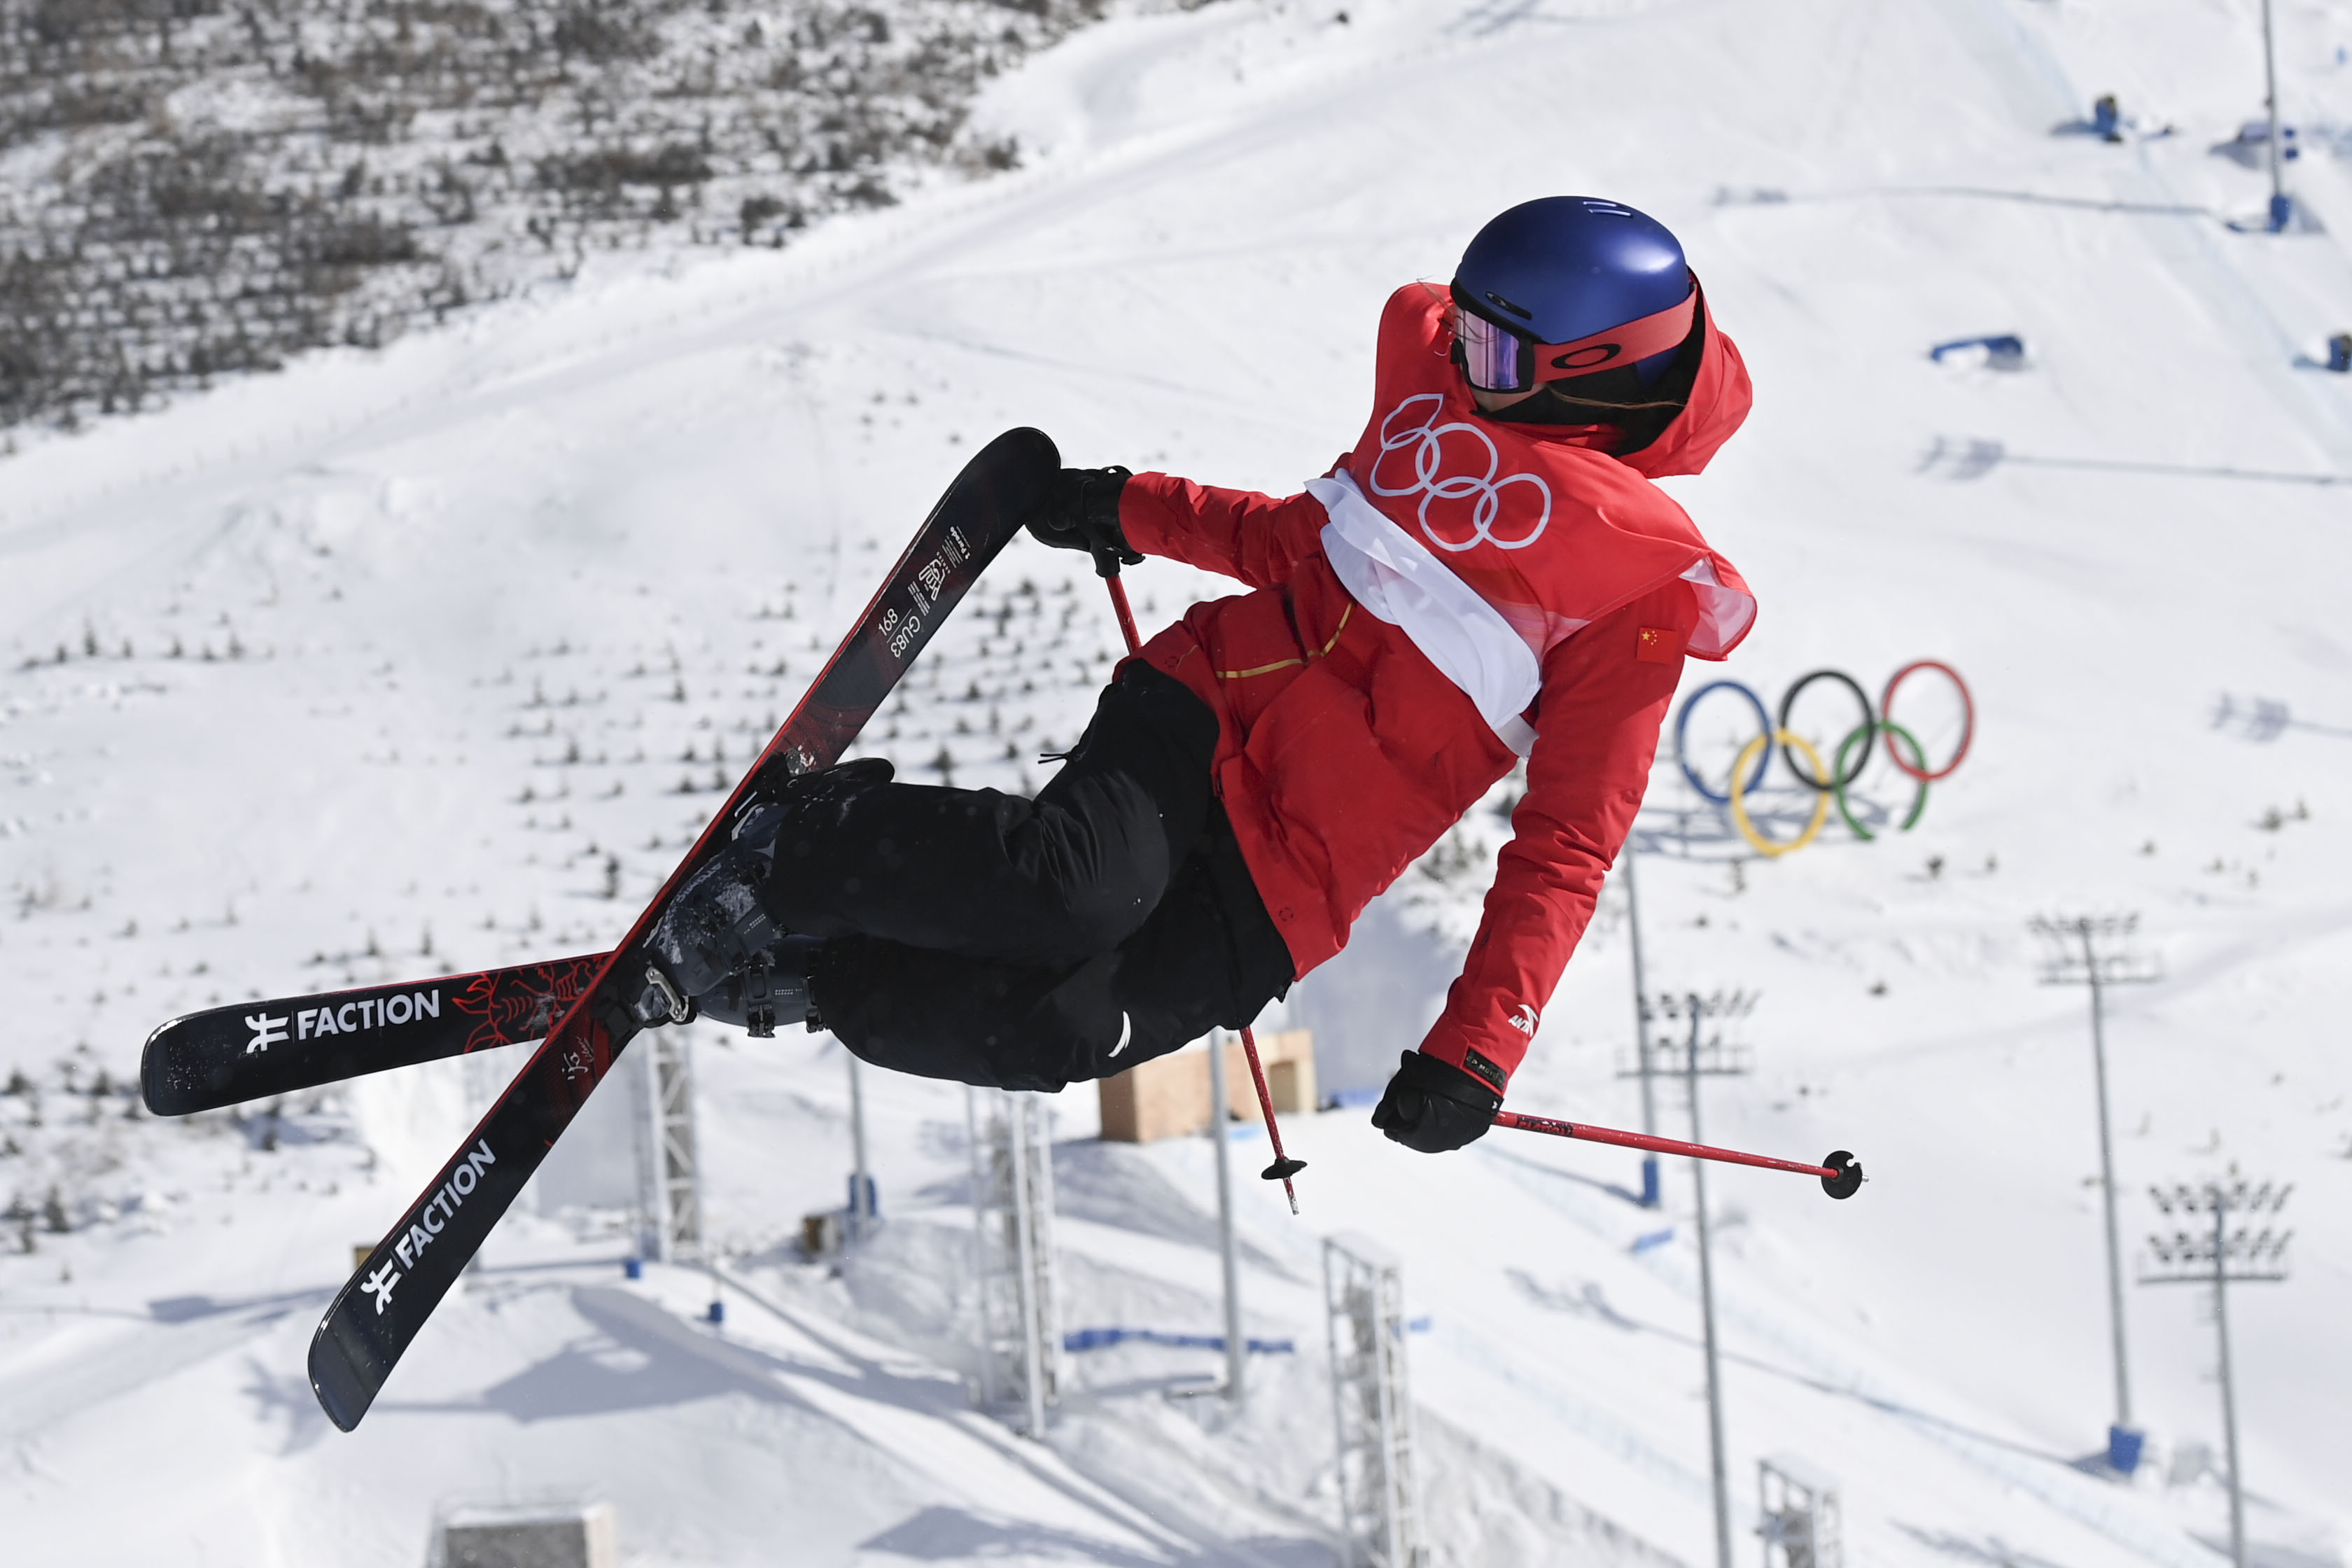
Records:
x=406, y=662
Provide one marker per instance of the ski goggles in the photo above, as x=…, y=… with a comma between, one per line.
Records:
x=1499, y=359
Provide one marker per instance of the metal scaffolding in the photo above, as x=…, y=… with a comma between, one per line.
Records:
x=1372, y=1406
x=1019, y=1316
x=1800, y=1524
x=672, y=1177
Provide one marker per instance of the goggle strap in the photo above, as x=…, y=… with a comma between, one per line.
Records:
x=1622, y=344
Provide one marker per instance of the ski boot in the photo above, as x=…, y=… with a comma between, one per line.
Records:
x=773, y=986
x=714, y=929
x=818, y=794
x=717, y=950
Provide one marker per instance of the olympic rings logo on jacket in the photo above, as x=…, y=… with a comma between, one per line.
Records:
x=1432, y=483
x=1829, y=784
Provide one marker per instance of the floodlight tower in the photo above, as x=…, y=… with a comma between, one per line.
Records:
x=2220, y=1258
x=2093, y=951
x=1708, y=1057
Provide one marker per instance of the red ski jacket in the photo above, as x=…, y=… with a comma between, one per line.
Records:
x=1457, y=589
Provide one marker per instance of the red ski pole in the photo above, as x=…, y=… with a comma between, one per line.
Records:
x=1840, y=1173
x=1284, y=1166
x=1120, y=607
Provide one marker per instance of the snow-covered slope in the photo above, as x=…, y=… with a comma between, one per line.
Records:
x=436, y=657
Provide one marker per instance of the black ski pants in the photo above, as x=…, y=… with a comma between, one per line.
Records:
x=985, y=938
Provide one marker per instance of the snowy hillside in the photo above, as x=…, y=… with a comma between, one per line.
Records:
x=193, y=190
x=418, y=658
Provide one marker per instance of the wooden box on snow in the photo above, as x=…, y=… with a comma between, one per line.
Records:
x=1168, y=1097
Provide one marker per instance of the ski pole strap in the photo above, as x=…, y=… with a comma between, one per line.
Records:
x=1840, y=1174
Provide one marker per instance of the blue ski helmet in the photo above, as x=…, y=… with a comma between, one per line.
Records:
x=1561, y=272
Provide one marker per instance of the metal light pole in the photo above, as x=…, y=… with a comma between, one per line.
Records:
x=2098, y=970
x=2107, y=1180
x=2220, y=1260
x=1025, y=1257
x=1220, y=1115
x=2222, y=1334
x=2281, y=206
x=1650, y=1198
x=1706, y=1306
x=1710, y=1058
x=861, y=1185
x=982, y=1180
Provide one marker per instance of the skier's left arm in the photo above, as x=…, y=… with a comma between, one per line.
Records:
x=1257, y=539
x=1604, y=696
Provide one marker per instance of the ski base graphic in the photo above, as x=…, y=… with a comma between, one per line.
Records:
x=251, y=1050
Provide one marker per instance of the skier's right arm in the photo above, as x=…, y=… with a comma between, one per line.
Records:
x=1257, y=539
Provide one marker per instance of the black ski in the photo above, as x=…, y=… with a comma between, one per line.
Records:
x=387, y=1301
x=248, y=1050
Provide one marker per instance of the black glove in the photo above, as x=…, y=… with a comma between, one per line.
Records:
x=1432, y=1106
x=1080, y=512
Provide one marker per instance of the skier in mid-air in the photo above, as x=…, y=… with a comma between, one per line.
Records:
x=1489, y=575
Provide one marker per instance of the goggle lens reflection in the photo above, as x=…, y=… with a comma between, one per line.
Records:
x=1490, y=354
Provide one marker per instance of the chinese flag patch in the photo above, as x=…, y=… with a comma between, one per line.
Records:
x=1657, y=645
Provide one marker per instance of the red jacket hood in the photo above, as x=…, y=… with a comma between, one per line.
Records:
x=1551, y=531
x=1719, y=400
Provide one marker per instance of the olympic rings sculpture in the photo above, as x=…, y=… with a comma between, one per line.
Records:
x=1851, y=757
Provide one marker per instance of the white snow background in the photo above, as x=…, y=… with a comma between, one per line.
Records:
x=396, y=662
